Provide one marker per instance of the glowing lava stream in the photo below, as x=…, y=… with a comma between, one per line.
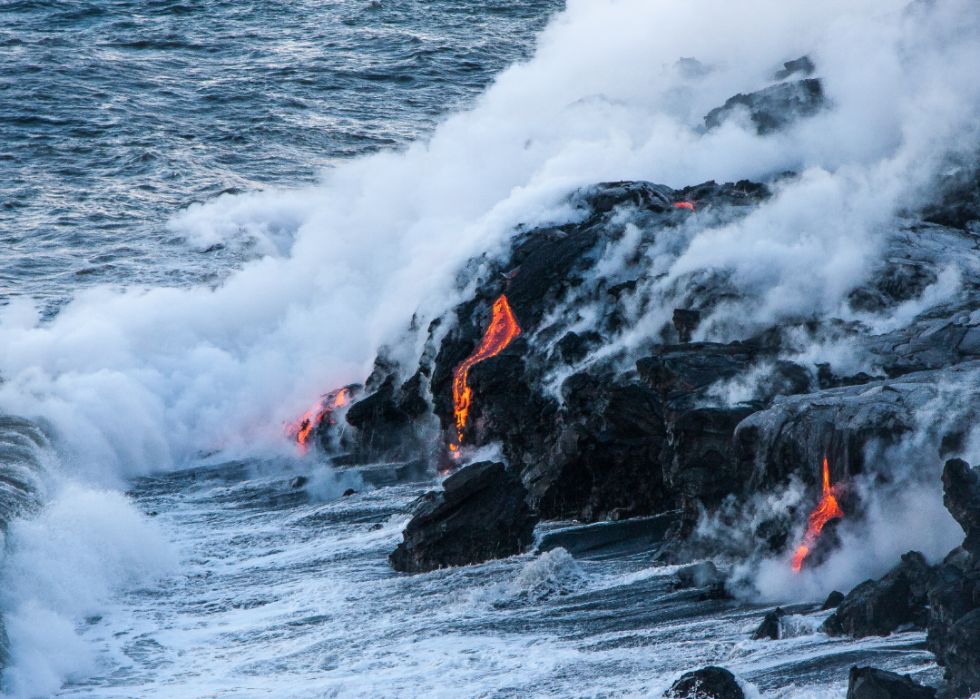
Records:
x=826, y=510
x=503, y=328
x=303, y=429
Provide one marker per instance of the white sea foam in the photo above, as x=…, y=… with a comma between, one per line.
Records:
x=64, y=566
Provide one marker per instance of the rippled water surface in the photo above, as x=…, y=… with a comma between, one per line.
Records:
x=115, y=114
x=283, y=594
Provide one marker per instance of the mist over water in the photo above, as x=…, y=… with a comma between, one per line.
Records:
x=197, y=361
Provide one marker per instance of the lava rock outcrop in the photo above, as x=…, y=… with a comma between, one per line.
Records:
x=479, y=515
x=878, y=608
x=707, y=683
x=872, y=683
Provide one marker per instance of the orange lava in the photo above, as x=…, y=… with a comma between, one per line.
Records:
x=503, y=328
x=302, y=430
x=685, y=205
x=826, y=510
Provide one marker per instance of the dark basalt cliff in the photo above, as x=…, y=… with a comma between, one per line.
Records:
x=613, y=402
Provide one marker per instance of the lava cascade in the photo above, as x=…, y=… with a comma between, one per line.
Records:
x=826, y=510
x=503, y=328
x=302, y=429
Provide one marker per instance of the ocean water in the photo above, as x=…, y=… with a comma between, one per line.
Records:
x=215, y=212
x=118, y=114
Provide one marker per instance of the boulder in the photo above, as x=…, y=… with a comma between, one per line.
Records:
x=872, y=683
x=877, y=608
x=833, y=601
x=769, y=628
x=704, y=576
x=954, y=593
x=480, y=515
x=707, y=683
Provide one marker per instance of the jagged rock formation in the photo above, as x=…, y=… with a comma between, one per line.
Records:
x=773, y=108
x=611, y=405
x=479, y=515
x=954, y=597
x=877, y=608
x=944, y=598
x=872, y=683
x=707, y=683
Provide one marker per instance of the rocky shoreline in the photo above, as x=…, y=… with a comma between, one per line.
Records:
x=625, y=396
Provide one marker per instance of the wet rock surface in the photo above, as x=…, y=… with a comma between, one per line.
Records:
x=611, y=538
x=707, y=683
x=961, y=495
x=954, y=597
x=769, y=628
x=479, y=515
x=878, y=608
x=872, y=683
x=625, y=397
x=774, y=107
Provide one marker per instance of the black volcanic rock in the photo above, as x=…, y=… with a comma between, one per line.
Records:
x=769, y=628
x=479, y=515
x=605, y=453
x=574, y=347
x=872, y=683
x=961, y=495
x=833, y=601
x=877, y=608
x=801, y=65
x=686, y=321
x=963, y=655
x=704, y=574
x=954, y=597
x=774, y=107
x=954, y=594
x=707, y=683
x=958, y=203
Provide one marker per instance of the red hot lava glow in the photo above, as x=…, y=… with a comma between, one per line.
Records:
x=826, y=510
x=302, y=429
x=503, y=328
x=685, y=205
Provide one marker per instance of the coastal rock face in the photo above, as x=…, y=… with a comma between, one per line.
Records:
x=954, y=598
x=872, y=683
x=773, y=108
x=877, y=608
x=480, y=515
x=598, y=434
x=603, y=424
x=961, y=495
x=707, y=683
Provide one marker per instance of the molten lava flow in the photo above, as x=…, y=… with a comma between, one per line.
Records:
x=826, y=510
x=503, y=328
x=685, y=205
x=302, y=430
